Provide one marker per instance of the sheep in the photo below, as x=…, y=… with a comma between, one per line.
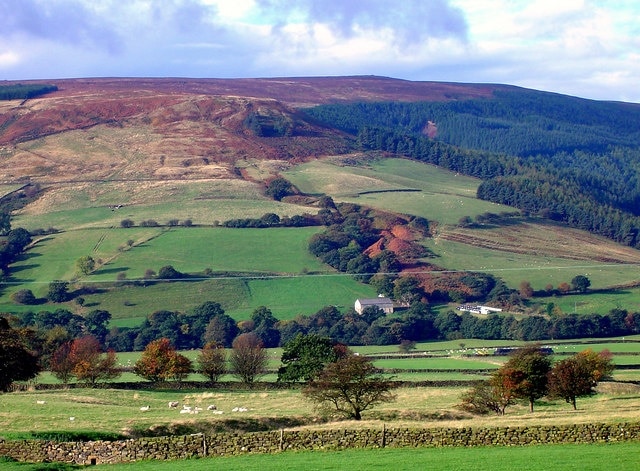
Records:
x=186, y=407
x=145, y=408
x=173, y=404
x=186, y=411
x=218, y=412
x=212, y=407
x=197, y=409
x=72, y=419
x=41, y=402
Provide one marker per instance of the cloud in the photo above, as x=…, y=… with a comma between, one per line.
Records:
x=410, y=21
x=58, y=21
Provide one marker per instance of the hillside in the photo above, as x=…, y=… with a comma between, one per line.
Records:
x=202, y=151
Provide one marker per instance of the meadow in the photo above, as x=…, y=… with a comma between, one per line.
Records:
x=591, y=457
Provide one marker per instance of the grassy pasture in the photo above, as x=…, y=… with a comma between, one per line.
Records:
x=118, y=411
x=204, y=202
x=540, y=270
x=593, y=457
x=189, y=250
x=443, y=196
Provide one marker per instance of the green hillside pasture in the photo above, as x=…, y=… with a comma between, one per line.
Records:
x=599, y=302
x=397, y=185
x=539, y=270
x=54, y=257
x=189, y=250
x=286, y=297
x=449, y=363
x=193, y=249
x=592, y=457
x=204, y=202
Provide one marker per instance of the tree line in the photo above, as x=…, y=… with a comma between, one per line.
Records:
x=24, y=91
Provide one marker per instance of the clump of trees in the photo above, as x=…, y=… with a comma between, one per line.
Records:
x=530, y=375
x=84, y=360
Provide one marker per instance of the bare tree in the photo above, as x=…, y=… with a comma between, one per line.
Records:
x=248, y=358
x=212, y=361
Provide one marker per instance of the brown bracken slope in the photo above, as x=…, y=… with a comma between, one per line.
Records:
x=165, y=124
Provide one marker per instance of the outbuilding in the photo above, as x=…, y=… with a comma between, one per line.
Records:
x=381, y=302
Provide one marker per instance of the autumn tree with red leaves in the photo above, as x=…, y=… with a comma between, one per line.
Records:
x=90, y=364
x=579, y=375
x=160, y=362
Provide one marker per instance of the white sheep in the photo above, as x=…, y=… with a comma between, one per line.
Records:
x=185, y=411
x=145, y=408
x=173, y=404
x=41, y=402
x=72, y=419
x=211, y=407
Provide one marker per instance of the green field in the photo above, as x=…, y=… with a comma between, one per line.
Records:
x=282, y=274
x=592, y=457
x=391, y=184
x=539, y=270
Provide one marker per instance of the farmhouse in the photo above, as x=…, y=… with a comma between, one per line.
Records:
x=381, y=302
x=474, y=309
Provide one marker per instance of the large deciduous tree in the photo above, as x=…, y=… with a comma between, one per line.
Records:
x=580, y=283
x=248, y=358
x=579, y=375
x=17, y=363
x=90, y=364
x=159, y=362
x=349, y=386
x=529, y=367
x=305, y=356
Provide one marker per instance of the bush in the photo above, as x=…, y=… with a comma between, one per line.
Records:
x=23, y=296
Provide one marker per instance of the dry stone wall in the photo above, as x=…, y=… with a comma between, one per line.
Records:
x=224, y=444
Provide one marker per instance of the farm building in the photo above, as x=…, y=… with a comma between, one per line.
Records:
x=385, y=304
x=475, y=309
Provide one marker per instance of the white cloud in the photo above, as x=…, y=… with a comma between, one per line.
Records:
x=581, y=47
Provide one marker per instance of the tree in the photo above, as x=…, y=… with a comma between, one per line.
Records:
x=96, y=324
x=17, y=363
x=212, y=362
x=60, y=363
x=579, y=375
x=305, y=356
x=90, y=365
x=278, y=188
x=23, y=296
x=349, y=385
x=58, y=291
x=169, y=273
x=126, y=223
x=580, y=283
x=526, y=291
x=493, y=395
x=248, y=358
x=86, y=264
x=158, y=362
x=528, y=368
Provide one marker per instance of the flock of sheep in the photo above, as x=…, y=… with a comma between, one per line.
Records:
x=186, y=409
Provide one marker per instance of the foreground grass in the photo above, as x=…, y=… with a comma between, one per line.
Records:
x=592, y=457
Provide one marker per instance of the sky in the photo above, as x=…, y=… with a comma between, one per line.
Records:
x=586, y=48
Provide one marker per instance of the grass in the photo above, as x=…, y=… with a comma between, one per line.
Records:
x=592, y=457
x=298, y=290
x=443, y=196
x=118, y=411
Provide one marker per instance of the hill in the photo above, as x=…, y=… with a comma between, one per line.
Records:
x=168, y=154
